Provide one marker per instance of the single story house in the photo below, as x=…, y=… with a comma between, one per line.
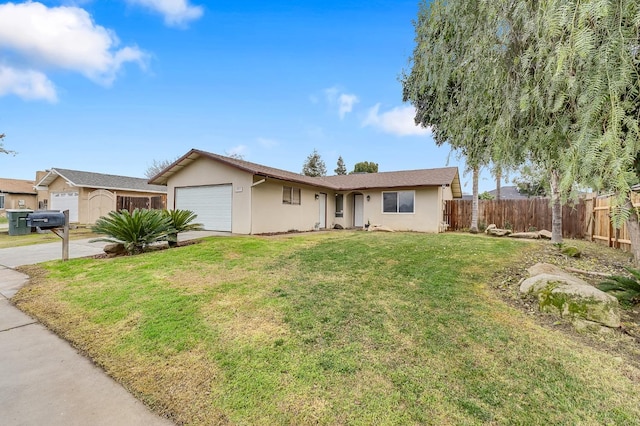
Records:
x=17, y=194
x=238, y=196
x=88, y=196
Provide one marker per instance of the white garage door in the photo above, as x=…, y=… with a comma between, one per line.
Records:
x=212, y=204
x=65, y=201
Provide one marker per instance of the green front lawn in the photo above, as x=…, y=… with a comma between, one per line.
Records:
x=335, y=328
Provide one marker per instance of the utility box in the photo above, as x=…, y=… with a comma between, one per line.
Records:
x=46, y=219
x=18, y=221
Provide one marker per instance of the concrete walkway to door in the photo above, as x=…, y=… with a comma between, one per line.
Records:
x=43, y=380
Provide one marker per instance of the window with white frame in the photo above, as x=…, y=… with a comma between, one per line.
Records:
x=339, y=205
x=398, y=202
x=1, y=201
x=290, y=195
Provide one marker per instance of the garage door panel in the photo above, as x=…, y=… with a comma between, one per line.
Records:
x=212, y=204
x=65, y=201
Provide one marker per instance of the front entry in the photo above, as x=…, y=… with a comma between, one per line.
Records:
x=358, y=210
x=322, y=211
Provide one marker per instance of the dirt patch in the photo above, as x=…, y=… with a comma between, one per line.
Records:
x=598, y=261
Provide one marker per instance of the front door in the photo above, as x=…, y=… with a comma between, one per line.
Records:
x=358, y=210
x=322, y=211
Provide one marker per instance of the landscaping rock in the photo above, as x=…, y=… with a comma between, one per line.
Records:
x=570, y=297
x=545, y=234
x=115, y=249
x=490, y=227
x=571, y=251
x=337, y=226
x=532, y=235
x=498, y=232
x=581, y=302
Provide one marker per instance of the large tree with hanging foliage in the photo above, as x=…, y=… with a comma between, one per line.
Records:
x=449, y=83
x=556, y=80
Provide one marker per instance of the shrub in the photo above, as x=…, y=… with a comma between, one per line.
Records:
x=136, y=231
x=180, y=221
x=625, y=289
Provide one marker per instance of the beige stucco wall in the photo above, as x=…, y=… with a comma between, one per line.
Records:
x=271, y=215
x=204, y=171
x=12, y=201
x=427, y=216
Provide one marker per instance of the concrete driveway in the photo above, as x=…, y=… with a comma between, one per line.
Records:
x=43, y=380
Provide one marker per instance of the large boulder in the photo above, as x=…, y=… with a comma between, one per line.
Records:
x=581, y=302
x=570, y=296
x=545, y=234
x=497, y=232
x=114, y=249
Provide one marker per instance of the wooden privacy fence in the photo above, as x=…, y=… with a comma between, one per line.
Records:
x=603, y=230
x=587, y=218
x=522, y=215
x=131, y=203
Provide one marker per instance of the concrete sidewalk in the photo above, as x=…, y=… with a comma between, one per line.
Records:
x=43, y=380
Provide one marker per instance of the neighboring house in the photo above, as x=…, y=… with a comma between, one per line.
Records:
x=89, y=196
x=241, y=197
x=17, y=194
x=506, y=193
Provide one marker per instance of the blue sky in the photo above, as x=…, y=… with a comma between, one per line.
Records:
x=110, y=86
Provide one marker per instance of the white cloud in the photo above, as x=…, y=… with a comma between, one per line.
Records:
x=27, y=84
x=177, y=13
x=66, y=38
x=398, y=121
x=344, y=101
x=268, y=143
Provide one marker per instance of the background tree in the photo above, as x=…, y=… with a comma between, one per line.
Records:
x=157, y=166
x=314, y=165
x=3, y=150
x=341, y=169
x=532, y=181
x=235, y=155
x=365, y=167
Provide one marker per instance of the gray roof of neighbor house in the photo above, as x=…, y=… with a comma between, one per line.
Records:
x=16, y=186
x=447, y=176
x=506, y=193
x=99, y=180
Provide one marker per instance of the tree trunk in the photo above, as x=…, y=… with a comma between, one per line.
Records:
x=498, y=184
x=474, y=204
x=634, y=231
x=556, y=208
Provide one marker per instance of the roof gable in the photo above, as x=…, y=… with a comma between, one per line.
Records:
x=447, y=176
x=99, y=180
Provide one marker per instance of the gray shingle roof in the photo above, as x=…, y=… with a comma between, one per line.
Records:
x=408, y=178
x=99, y=180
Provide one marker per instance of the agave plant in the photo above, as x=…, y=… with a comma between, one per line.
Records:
x=625, y=289
x=181, y=221
x=136, y=231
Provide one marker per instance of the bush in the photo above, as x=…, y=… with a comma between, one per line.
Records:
x=181, y=221
x=625, y=289
x=136, y=231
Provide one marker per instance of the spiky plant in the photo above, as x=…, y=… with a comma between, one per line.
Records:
x=625, y=289
x=136, y=231
x=181, y=221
